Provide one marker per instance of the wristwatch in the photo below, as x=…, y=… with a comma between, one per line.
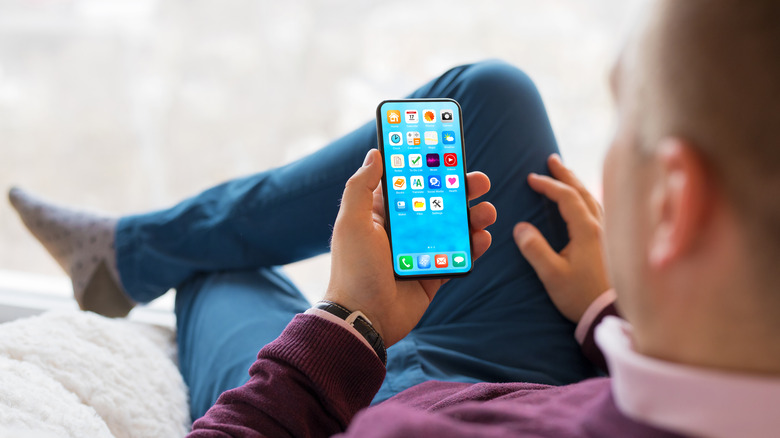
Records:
x=360, y=323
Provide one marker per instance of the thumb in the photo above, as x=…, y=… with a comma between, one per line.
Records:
x=358, y=198
x=536, y=250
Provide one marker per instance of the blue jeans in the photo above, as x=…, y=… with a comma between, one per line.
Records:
x=220, y=250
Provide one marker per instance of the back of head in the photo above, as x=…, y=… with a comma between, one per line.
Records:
x=714, y=79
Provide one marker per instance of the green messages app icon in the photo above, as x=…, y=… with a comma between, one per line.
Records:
x=459, y=260
x=406, y=262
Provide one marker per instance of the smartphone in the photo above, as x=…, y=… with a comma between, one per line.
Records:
x=424, y=183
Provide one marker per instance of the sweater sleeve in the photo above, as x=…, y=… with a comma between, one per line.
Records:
x=602, y=307
x=309, y=382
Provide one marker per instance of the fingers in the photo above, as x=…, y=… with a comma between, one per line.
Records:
x=534, y=247
x=358, y=199
x=482, y=216
x=379, y=219
x=480, y=242
x=566, y=175
x=580, y=221
x=379, y=202
x=478, y=184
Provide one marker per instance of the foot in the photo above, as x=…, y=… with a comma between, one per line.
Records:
x=83, y=245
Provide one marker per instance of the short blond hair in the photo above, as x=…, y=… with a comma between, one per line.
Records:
x=715, y=80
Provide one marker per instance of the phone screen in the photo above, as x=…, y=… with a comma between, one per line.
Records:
x=424, y=184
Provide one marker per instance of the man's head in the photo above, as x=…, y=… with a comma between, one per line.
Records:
x=692, y=183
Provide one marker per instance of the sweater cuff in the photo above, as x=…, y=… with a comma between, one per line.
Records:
x=340, y=367
x=336, y=320
x=593, y=311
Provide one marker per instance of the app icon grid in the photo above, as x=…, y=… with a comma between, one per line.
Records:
x=428, y=142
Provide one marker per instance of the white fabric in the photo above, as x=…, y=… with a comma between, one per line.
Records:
x=592, y=312
x=77, y=374
x=686, y=399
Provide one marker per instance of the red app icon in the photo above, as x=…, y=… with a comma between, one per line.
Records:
x=441, y=261
x=450, y=160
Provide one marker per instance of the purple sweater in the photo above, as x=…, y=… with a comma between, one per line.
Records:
x=317, y=379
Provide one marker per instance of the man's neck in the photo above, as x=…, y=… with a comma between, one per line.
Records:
x=738, y=341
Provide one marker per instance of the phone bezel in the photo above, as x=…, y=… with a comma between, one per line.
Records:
x=381, y=144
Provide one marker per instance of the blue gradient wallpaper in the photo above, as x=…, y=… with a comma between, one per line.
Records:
x=422, y=148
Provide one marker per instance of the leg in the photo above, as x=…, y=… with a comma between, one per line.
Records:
x=498, y=323
x=269, y=219
x=245, y=223
x=495, y=325
x=223, y=320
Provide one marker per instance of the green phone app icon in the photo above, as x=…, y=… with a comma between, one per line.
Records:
x=406, y=262
x=459, y=260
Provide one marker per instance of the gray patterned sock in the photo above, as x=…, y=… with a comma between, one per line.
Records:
x=83, y=245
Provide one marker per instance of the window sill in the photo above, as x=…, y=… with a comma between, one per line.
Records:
x=24, y=294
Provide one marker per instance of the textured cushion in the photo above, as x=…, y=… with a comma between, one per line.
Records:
x=81, y=375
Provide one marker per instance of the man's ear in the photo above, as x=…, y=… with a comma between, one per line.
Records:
x=680, y=201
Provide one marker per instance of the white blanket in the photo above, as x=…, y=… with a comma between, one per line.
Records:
x=77, y=374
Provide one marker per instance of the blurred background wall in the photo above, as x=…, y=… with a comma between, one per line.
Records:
x=130, y=105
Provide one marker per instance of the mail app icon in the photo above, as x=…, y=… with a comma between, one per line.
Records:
x=441, y=260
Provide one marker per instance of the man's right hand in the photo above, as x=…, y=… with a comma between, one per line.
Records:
x=576, y=276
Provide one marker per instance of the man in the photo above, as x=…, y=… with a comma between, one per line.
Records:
x=691, y=239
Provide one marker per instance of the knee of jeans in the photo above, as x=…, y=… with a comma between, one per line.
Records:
x=497, y=90
x=500, y=82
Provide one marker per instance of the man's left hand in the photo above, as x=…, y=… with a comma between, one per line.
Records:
x=362, y=267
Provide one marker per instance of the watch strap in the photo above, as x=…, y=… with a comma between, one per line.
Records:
x=360, y=322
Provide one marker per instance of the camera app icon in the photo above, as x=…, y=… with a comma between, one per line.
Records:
x=446, y=116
